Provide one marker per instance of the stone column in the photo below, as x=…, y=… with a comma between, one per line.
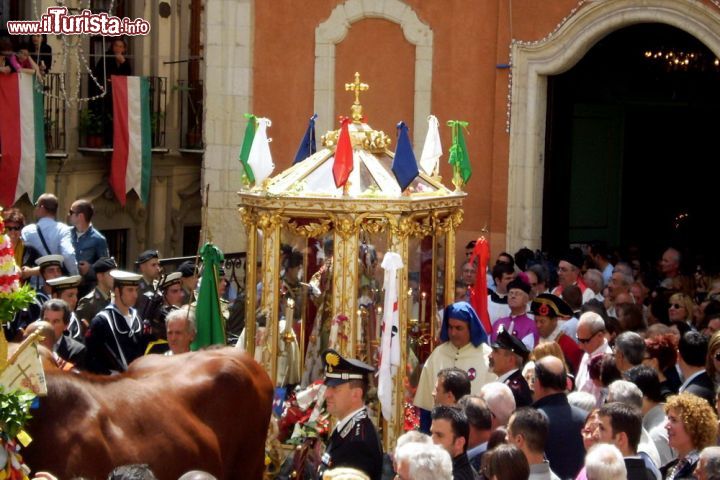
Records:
x=227, y=36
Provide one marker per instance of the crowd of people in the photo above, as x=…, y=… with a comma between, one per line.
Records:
x=595, y=368
x=93, y=315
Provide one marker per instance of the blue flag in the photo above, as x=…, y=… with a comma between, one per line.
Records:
x=307, y=145
x=404, y=165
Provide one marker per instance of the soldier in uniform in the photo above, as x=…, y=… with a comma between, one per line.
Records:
x=172, y=298
x=148, y=263
x=115, y=337
x=354, y=442
x=508, y=356
x=189, y=281
x=66, y=289
x=99, y=297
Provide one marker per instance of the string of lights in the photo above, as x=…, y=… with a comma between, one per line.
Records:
x=73, y=44
x=551, y=35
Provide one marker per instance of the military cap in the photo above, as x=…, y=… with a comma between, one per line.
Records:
x=549, y=305
x=187, y=269
x=63, y=283
x=573, y=257
x=123, y=278
x=506, y=341
x=173, y=278
x=104, y=265
x=339, y=370
x=519, y=284
x=49, y=260
x=147, y=255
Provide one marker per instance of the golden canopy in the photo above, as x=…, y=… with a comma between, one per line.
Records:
x=301, y=207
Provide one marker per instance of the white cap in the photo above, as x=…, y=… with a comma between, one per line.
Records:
x=175, y=277
x=48, y=260
x=63, y=283
x=126, y=278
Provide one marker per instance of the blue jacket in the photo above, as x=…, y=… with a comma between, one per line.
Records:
x=90, y=246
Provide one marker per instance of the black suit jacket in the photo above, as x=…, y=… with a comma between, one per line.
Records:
x=520, y=389
x=356, y=445
x=564, y=449
x=703, y=387
x=71, y=351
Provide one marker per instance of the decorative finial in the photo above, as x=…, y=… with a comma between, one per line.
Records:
x=356, y=87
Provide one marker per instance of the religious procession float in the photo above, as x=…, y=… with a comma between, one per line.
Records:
x=351, y=248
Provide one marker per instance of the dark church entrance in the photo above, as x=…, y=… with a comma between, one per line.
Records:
x=633, y=146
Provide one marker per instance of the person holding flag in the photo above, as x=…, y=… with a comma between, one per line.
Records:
x=465, y=347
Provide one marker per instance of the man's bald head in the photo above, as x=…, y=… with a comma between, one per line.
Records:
x=550, y=374
x=197, y=475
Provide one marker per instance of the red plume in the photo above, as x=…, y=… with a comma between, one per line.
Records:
x=479, y=293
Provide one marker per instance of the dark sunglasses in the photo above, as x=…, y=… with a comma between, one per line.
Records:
x=586, y=340
x=676, y=306
x=73, y=212
x=13, y=229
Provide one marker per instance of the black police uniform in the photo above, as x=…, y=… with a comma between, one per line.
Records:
x=517, y=383
x=354, y=443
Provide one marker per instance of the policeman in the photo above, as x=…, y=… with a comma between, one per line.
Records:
x=354, y=442
x=66, y=289
x=507, y=359
x=99, y=297
x=115, y=337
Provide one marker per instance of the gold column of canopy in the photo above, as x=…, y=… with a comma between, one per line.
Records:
x=302, y=206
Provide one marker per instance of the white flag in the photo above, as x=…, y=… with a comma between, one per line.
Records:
x=390, y=344
x=259, y=158
x=432, y=149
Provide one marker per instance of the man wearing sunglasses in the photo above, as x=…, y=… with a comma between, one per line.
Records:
x=48, y=236
x=591, y=339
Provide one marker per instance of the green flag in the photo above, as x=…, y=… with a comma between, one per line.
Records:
x=247, y=143
x=459, y=158
x=210, y=325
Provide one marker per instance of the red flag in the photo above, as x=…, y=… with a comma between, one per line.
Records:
x=479, y=293
x=343, y=155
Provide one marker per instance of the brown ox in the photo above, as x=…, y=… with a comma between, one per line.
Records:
x=198, y=411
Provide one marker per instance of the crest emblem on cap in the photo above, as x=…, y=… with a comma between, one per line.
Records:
x=543, y=310
x=332, y=359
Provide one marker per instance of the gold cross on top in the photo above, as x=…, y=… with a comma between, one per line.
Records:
x=356, y=87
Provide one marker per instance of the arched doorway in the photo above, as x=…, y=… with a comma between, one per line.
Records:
x=532, y=64
x=631, y=150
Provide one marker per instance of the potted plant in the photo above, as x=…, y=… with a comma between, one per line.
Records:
x=91, y=126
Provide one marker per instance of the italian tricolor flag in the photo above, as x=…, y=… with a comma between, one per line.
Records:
x=22, y=135
x=132, y=149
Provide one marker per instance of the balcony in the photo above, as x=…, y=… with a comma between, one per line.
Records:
x=95, y=120
x=191, y=115
x=54, y=114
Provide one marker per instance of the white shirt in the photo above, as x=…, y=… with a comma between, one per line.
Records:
x=57, y=237
x=347, y=418
x=687, y=381
x=506, y=375
x=583, y=382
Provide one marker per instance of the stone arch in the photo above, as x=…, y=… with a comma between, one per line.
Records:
x=333, y=30
x=533, y=62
